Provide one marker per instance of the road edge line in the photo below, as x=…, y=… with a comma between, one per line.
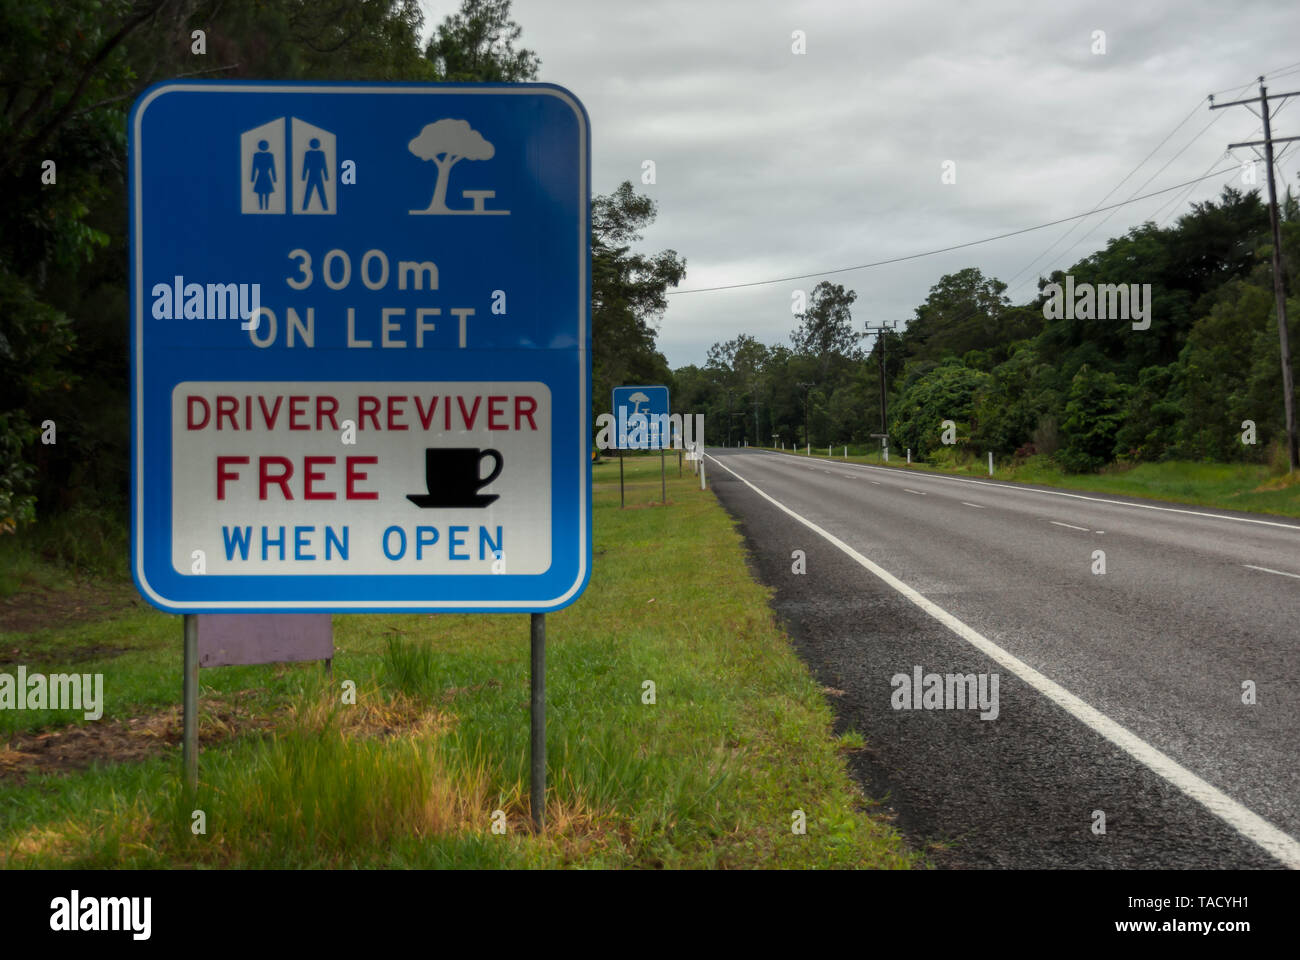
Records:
x=1250, y=825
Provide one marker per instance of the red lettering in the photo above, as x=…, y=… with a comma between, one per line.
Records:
x=265, y=479
x=227, y=407
x=189, y=413
x=321, y=412
x=223, y=474
x=494, y=412
x=274, y=413
x=426, y=418
x=473, y=412
x=354, y=475
x=296, y=413
x=525, y=411
x=367, y=407
x=395, y=411
x=313, y=475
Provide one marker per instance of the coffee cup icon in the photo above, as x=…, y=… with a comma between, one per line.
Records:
x=452, y=477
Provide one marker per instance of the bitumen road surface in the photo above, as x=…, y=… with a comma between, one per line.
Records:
x=1120, y=694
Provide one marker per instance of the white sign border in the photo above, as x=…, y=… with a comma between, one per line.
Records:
x=584, y=466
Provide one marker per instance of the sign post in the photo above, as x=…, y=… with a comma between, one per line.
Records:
x=360, y=353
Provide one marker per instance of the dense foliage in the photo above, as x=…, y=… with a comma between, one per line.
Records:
x=1021, y=379
x=69, y=72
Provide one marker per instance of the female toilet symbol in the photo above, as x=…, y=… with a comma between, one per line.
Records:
x=263, y=174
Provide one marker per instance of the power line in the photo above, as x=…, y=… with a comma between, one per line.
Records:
x=1272, y=73
x=1052, y=246
x=1178, y=201
x=1097, y=226
x=958, y=246
x=1078, y=223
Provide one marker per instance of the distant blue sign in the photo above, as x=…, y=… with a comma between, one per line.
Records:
x=360, y=346
x=641, y=418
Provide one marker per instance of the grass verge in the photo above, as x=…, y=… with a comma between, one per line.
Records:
x=1254, y=488
x=683, y=731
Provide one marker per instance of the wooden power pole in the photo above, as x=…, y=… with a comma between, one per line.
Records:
x=880, y=332
x=1274, y=216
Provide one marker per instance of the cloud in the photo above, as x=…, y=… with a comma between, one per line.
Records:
x=770, y=164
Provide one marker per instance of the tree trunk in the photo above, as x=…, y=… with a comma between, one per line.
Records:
x=439, y=201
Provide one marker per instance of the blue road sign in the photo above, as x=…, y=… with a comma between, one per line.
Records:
x=641, y=418
x=360, y=346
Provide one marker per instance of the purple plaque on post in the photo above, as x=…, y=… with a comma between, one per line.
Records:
x=226, y=639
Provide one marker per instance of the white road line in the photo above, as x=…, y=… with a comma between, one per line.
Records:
x=1074, y=496
x=876, y=482
x=1245, y=821
x=975, y=505
x=917, y=492
x=1070, y=525
x=1280, y=573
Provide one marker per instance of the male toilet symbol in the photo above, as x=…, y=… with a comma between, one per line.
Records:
x=451, y=475
x=285, y=167
x=314, y=172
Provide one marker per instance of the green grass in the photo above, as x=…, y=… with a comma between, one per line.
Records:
x=738, y=738
x=1254, y=488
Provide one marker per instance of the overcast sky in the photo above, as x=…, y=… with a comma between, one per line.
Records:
x=771, y=164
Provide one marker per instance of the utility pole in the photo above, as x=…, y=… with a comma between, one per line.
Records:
x=880, y=332
x=806, y=387
x=1274, y=216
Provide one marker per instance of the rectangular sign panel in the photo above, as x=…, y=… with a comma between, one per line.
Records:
x=641, y=418
x=228, y=639
x=360, y=347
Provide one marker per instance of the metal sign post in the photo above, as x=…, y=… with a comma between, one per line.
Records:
x=537, y=721
x=190, y=698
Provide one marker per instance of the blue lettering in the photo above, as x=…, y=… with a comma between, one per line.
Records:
x=331, y=539
x=300, y=543
x=486, y=546
x=267, y=542
x=401, y=551
x=237, y=539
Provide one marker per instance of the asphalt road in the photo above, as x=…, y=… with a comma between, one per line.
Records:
x=1119, y=692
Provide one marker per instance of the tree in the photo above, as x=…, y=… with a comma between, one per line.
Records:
x=967, y=311
x=68, y=74
x=947, y=392
x=477, y=45
x=825, y=329
x=628, y=293
x=1094, y=412
x=738, y=366
x=446, y=143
